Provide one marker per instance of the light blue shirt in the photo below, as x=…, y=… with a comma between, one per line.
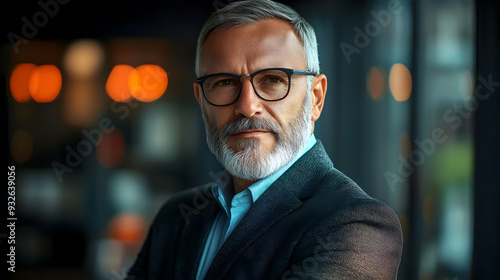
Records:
x=234, y=207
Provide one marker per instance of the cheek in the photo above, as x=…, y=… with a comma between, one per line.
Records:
x=218, y=116
x=286, y=112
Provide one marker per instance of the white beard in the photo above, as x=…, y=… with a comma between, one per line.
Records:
x=250, y=163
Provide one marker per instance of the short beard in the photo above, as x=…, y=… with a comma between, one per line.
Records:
x=250, y=163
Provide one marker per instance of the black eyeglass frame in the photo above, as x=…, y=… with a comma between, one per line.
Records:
x=288, y=71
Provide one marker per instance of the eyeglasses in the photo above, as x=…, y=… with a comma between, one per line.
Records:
x=271, y=84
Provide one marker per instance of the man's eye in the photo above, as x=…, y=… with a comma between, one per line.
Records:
x=273, y=80
x=225, y=83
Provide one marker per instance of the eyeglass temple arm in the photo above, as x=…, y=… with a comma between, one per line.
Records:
x=301, y=72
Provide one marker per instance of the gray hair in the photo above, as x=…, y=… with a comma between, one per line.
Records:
x=245, y=12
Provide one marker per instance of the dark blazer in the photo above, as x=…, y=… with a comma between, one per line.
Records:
x=312, y=223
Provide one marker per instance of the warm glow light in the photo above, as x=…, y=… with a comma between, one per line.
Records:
x=111, y=150
x=21, y=146
x=400, y=82
x=128, y=228
x=83, y=59
x=45, y=83
x=19, y=81
x=82, y=102
x=375, y=82
x=148, y=82
x=117, y=84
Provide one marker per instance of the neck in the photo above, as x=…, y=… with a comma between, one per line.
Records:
x=240, y=184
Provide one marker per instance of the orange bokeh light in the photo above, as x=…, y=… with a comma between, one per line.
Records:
x=19, y=81
x=117, y=83
x=128, y=228
x=400, y=82
x=83, y=59
x=148, y=82
x=45, y=83
x=375, y=82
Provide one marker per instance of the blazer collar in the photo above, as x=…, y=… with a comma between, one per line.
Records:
x=194, y=235
x=283, y=197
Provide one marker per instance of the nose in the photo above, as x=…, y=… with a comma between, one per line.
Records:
x=248, y=104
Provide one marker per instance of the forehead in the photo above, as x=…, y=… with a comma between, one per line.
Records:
x=251, y=47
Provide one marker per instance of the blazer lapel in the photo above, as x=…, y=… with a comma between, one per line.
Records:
x=283, y=197
x=274, y=204
x=192, y=241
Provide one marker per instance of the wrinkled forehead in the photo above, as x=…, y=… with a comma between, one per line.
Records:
x=250, y=47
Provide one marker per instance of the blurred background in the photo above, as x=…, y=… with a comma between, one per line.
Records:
x=412, y=115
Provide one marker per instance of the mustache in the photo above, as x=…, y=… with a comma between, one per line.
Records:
x=253, y=123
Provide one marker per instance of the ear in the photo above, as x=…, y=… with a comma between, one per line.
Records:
x=318, y=93
x=197, y=92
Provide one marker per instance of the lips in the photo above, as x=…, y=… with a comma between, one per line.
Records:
x=250, y=132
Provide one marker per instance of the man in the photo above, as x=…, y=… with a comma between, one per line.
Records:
x=283, y=211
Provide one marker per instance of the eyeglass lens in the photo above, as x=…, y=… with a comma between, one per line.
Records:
x=223, y=89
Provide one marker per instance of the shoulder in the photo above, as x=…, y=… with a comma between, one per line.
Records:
x=351, y=229
x=347, y=202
